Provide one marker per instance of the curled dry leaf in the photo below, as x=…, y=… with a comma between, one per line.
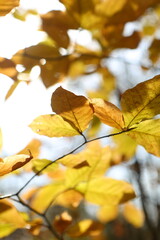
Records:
x=12, y=163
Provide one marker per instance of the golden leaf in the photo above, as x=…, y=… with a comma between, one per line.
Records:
x=10, y=218
x=104, y=191
x=147, y=134
x=86, y=227
x=53, y=126
x=13, y=162
x=133, y=215
x=45, y=195
x=8, y=67
x=74, y=109
x=108, y=113
x=7, y=5
x=141, y=102
x=62, y=222
x=107, y=213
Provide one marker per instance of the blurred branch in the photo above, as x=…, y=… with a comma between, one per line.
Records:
x=149, y=223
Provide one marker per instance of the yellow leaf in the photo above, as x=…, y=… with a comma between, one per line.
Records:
x=45, y=195
x=38, y=164
x=125, y=148
x=7, y=5
x=98, y=159
x=104, y=191
x=53, y=126
x=86, y=227
x=70, y=198
x=141, y=102
x=110, y=7
x=13, y=162
x=10, y=218
x=74, y=109
x=108, y=113
x=107, y=213
x=6, y=229
x=12, y=89
x=133, y=215
x=147, y=134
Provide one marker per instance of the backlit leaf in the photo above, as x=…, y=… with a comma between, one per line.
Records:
x=10, y=218
x=133, y=215
x=147, y=134
x=104, y=191
x=38, y=164
x=86, y=227
x=53, y=126
x=141, y=102
x=12, y=89
x=45, y=195
x=62, y=222
x=108, y=113
x=13, y=162
x=107, y=213
x=7, y=5
x=34, y=147
x=8, y=67
x=74, y=109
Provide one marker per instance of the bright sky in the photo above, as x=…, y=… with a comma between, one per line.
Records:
x=25, y=104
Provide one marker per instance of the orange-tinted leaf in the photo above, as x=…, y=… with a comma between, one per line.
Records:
x=12, y=89
x=34, y=147
x=53, y=126
x=74, y=109
x=35, y=226
x=108, y=113
x=141, y=102
x=7, y=5
x=104, y=191
x=10, y=218
x=86, y=227
x=107, y=213
x=8, y=67
x=69, y=198
x=133, y=215
x=12, y=163
x=62, y=222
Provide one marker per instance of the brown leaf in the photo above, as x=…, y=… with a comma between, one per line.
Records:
x=8, y=68
x=13, y=162
x=74, y=109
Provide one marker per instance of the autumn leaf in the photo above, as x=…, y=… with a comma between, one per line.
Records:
x=13, y=162
x=8, y=67
x=74, y=109
x=53, y=126
x=7, y=5
x=62, y=222
x=141, y=102
x=108, y=113
x=86, y=227
x=107, y=213
x=147, y=134
x=104, y=191
x=46, y=194
x=10, y=218
x=133, y=215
